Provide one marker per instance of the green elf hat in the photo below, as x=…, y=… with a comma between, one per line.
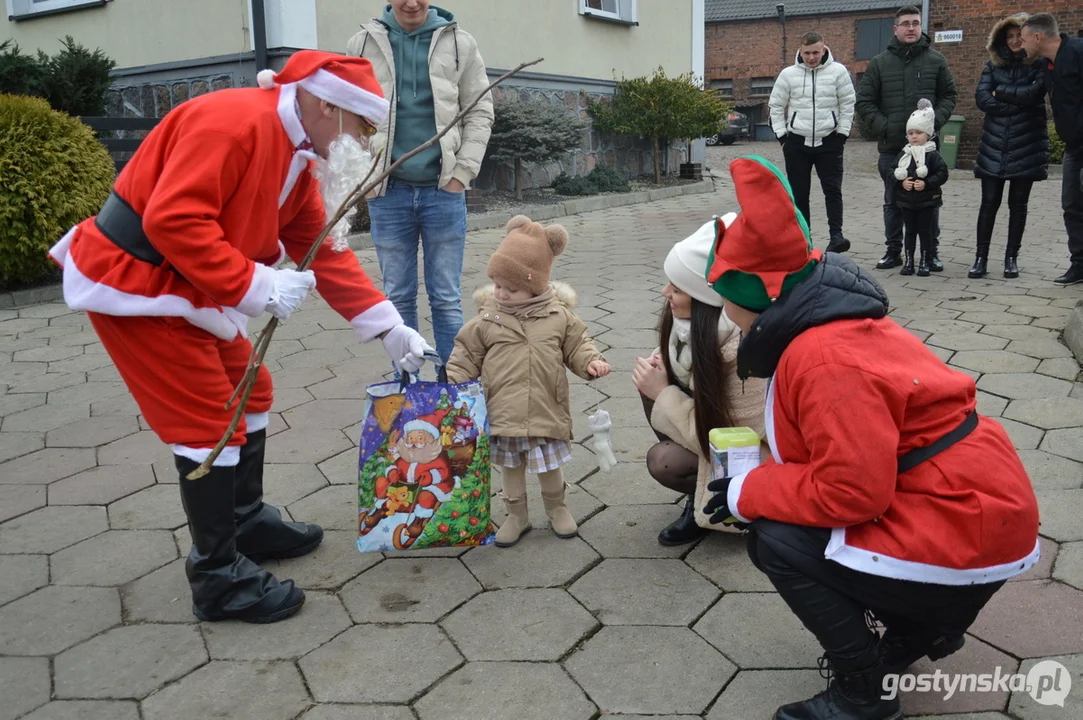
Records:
x=767, y=249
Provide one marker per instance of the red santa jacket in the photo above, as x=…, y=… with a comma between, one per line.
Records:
x=847, y=399
x=224, y=194
x=431, y=475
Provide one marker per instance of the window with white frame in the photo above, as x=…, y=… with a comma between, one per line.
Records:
x=615, y=10
x=28, y=8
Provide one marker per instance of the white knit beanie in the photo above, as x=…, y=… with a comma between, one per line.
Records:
x=687, y=262
x=923, y=119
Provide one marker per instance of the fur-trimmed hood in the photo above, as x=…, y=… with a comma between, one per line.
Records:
x=997, y=45
x=563, y=292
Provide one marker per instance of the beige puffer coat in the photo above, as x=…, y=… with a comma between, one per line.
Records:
x=457, y=74
x=674, y=416
x=521, y=363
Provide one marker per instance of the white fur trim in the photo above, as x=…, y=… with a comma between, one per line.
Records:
x=229, y=457
x=330, y=87
x=259, y=291
x=421, y=425
x=734, y=495
x=379, y=318
x=769, y=419
x=295, y=131
x=281, y=254
x=882, y=565
x=440, y=494
x=59, y=252
x=266, y=79
x=254, y=422
x=422, y=512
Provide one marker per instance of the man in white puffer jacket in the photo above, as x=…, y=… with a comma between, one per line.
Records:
x=812, y=111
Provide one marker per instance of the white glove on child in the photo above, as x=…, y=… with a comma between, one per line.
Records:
x=406, y=347
x=289, y=291
x=600, y=424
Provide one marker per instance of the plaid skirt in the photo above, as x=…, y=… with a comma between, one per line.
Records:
x=542, y=454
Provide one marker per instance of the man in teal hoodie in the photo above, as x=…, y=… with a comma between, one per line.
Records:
x=428, y=68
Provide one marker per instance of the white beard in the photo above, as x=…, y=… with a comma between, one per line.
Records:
x=347, y=164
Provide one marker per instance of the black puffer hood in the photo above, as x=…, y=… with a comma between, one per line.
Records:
x=836, y=290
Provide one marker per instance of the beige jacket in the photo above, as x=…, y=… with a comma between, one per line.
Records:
x=674, y=416
x=457, y=74
x=521, y=364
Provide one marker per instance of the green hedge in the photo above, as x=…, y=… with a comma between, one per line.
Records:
x=53, y=174
x=1056, y=146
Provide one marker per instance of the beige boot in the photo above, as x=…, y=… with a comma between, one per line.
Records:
x=552, y=487
x=517, y=523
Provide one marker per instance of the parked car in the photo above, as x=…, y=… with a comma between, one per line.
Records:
x=736, y=127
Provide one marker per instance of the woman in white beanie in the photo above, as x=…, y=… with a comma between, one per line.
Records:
x=689, y=385
x=921, y=172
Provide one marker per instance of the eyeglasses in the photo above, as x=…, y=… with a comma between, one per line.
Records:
x=908, y=25
x=367, y=128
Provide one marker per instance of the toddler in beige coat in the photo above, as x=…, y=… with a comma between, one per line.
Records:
x=523, y=338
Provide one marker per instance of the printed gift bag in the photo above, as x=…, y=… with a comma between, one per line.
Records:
x=424, y=471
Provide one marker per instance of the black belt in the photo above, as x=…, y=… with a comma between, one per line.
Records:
x=118, y=222
x=919, y=455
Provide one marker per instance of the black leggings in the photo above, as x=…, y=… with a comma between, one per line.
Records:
x=671, y=464
x=992, y=193
x=918, y=224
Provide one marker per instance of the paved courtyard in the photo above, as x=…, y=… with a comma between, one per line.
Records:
x=95, y=618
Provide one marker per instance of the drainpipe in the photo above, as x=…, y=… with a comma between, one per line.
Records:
x=925, y=18
x=259, y=34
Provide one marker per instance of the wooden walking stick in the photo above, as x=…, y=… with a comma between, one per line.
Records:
x=259, y=349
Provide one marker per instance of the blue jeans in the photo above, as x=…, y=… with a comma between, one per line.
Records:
x=438, y=217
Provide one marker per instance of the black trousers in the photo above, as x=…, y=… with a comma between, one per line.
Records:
x=918, y=225
x=827, y=159
x=1072, y=203
x=893, y=218
x=992, y=194
x=831, y=599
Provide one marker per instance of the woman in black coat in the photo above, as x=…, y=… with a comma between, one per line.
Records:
x=1014, y=139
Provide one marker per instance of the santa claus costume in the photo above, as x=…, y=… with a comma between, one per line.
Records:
x=181, y=255
x=886, y=492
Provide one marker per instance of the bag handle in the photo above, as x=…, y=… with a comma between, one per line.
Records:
x=441, y=372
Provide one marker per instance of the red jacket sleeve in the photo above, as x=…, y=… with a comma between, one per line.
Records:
x=340, y=279
x=849, y=421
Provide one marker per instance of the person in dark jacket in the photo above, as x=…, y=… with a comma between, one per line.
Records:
x=1064, y=82
x=1014, y=139
x=893, y=83
x=920, y=173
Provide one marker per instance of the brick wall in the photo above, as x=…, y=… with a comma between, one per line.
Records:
x=967, y=58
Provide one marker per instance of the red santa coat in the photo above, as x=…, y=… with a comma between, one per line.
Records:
x=223, y=193
x=847, y=400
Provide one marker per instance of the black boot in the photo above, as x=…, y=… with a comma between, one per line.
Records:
x=1073, y=276
x=225, y=584
x=1011, y=265
x=1017, y=223
x=838, y=243
x=980, y=267
x=853, y=693
x=908, y=264
x=935, y=263
x=923, y=264
x=900, y=650
x=891, y=259
x=261, y=532
x=987, y=216
x=684, y=529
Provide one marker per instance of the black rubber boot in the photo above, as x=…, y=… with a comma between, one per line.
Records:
x=261, y=532
x=890, y=260
x=923, y=265
x=908, y=264
x=684, y=529
x=838, y=244
x=853, y=693
x=225, y=584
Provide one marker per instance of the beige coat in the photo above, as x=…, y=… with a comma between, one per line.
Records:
x=674, y=416
x=457, y=74
x=521, y=364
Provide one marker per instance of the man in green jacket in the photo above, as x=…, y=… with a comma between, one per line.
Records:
x=894, y=81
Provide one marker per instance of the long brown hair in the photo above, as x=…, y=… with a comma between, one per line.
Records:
x=708, y=391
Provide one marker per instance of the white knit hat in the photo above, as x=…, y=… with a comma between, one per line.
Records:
x=687, y=262
x=923, y=119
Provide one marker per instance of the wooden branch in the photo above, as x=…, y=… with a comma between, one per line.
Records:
x=259, y=349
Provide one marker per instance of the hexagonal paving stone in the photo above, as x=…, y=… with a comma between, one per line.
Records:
x=994, y=361
x=1055, y=614
x=129, y=662
x=332, y=414
x=664, y=592
x=536, y=692
x=631, y=531
x=16, y=500
x=54, y=618
x=1023, y=437
x=163, y=596
x=51, y=528
x=1025, y=706
x=11, y=404
x=285, y=484
x=143, y=447
x=15, y=444
x=1059, y=513
x=332, y=508
x=45, y=466
x=1040, y=348
x=765, y=690
x=1043, y=569
x=757, y=630
x=87, y=710
x=92, y=432
x=306, y=445
x=581, y=504
x=1063, y=368
x=335, y=562
x=337, y=388
x=157, y=507
x=683, y=673
x=991, y=405
x=1051, y=472
x=321, y=619
x=537, y=625
x=48, y=382
x=24, y=685
x=269, y=691
x=1068, y=568
x=121, y=405
x=541, y=559
x=400, y=591
x=963, y=340
x=101, y=485
x=990, y=317
x=113, y=558
x=1023, y=386
x=354, y=666
x=1050, y=413
x=23, y=574
x=340, y=711
x=44, y=418
x=636, y=486
x=723, y=559
x=1066, y=443
x=975, y=658
x=341, y=469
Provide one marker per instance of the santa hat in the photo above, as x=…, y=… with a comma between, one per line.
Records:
x=767, y=249
x=525, y=258
x=345, y=82
x=923, y=119
x=686, y=265
x=429, y=424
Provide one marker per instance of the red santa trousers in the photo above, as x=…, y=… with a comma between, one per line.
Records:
x=181, y=377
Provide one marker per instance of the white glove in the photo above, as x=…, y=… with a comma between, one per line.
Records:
x=600, y=424
x=406, y=347
x=290, y=289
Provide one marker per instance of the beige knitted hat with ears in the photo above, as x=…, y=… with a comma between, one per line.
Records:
x=525, y=257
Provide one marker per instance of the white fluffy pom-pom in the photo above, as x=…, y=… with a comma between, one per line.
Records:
x=266, y=79
x=924, y=104
x=923, y=171
x=900, y=174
